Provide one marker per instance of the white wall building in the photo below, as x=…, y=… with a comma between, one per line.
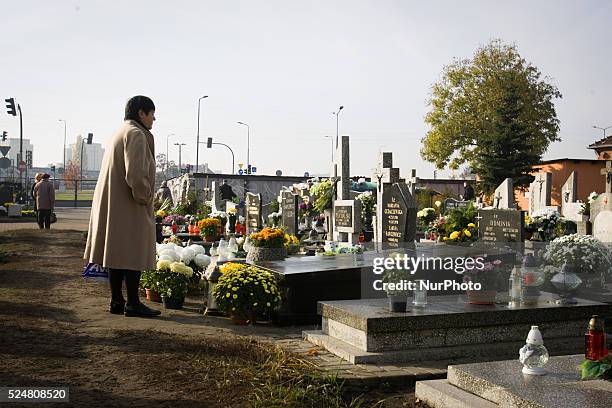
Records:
x=92, y=154
x=14, y=152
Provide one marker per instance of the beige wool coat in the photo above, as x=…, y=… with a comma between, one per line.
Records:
x=122, y=226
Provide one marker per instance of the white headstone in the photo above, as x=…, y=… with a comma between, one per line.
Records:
x=540, y=190
x=601, y=217
x=503, y=198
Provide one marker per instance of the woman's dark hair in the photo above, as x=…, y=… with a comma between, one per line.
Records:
x=136, y=104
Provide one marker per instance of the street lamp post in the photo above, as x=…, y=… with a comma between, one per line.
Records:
x=62, y=120
x=180, y=145
x=604, y=129
x=198, y=137
x=337, y=123
x=248, y=146
x=167, y=159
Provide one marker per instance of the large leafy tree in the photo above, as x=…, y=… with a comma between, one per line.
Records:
x=493, y=112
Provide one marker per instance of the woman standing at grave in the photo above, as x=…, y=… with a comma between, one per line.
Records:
x=122, y=228
x=44, y=194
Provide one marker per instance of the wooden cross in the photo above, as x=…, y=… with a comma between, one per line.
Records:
x=607, y=171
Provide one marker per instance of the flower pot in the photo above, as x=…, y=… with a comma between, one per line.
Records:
x=172, y=303
x=481, y=297
x=259, y=254
x=153, y=296
x=398, y=303
x=239, y=319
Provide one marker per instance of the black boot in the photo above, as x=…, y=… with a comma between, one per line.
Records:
x=133, y=306
x=140, y=310
x=117, y=304
x=117, y=307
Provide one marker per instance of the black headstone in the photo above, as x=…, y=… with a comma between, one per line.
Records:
x=501, y=226
x=343, y=216
x=289, y=208
x=397, y=227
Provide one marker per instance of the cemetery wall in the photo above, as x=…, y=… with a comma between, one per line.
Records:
x=267, y=186
x=587, y=172
x=454, y=188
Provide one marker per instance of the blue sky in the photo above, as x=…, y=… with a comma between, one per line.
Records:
x=283, y=67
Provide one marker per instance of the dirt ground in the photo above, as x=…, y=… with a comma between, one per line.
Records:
x=56, y=331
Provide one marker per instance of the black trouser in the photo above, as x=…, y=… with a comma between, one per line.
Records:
x=44, y=219
x=132, y=280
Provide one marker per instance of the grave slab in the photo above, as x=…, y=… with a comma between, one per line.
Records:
x=448, y=328
x=502, y=383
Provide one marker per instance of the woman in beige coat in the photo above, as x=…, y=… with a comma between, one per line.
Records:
x=122, y=228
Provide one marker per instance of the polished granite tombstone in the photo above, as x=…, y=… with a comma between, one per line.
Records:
x=501, y=384
x=306, y=280
x=448, y=328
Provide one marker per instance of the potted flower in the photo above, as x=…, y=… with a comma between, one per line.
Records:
x=292, y=243
x=245, y=292
x=267, y=245
x=323, y=192
x=174, y=280
x=583, y=253
x=396, y=288
x=368, y=207
x=209, y=228
x=467, y=234
x=149, y=281
x=491, y=276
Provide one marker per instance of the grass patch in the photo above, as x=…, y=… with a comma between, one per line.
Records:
x=69, y=195
x=267, y=376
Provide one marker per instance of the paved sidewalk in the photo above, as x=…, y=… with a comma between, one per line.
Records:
x=67, y=219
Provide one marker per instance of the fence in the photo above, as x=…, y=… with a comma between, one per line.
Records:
x=68, y=193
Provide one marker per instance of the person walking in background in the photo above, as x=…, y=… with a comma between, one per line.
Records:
x=468, y=192
x=122, y=226
x=37, y=178
x=44, y=194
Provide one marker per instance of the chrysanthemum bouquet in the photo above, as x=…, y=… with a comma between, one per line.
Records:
x=243, y=289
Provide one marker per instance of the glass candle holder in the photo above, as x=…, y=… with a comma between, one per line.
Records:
x=420, y=294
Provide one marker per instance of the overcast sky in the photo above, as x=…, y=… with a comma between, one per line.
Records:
x=283, y=67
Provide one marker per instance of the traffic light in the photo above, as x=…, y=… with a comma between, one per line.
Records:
x=10, y=106
x=89, y=138
x=209, y=142
x=29, y=159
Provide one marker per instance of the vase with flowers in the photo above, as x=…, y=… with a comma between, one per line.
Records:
x=209, y=228
x=267, y=245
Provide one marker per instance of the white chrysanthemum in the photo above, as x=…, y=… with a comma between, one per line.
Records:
x=187, y=255
x=166, y=258
x=198, y=249
x=169, y=253
x=201, y=260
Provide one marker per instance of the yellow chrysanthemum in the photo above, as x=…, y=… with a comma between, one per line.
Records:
x=472, y=225
x=454, y=235
x=467, y=232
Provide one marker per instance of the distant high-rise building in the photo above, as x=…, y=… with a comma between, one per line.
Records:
x=92, y=154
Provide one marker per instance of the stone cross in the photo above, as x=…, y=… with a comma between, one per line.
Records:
x=498, y=198
x=504, y=195
x=607, y=171
x=395, y=207
x=540, y=191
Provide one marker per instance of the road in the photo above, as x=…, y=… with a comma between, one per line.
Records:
x=67, y=218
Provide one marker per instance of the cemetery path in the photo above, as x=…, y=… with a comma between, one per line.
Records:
x=56, y=331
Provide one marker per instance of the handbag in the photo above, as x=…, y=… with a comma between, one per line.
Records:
x=53, y=218
x=95, y=272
